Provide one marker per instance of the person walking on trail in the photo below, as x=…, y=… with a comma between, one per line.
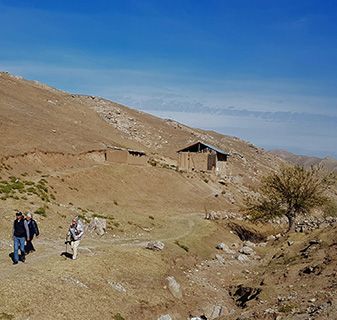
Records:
x=33, y=230
x=20, y=235
x=75, y=234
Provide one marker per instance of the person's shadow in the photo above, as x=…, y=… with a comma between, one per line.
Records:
x=66, y=254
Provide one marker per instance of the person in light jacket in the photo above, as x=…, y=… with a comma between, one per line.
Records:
x=75, y=234
x=20, y=235
x=33, y=230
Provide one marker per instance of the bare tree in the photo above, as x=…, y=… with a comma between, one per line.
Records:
x=290, y=192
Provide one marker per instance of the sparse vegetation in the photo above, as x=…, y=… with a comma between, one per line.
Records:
x=6, y=316
x=84, y=218
x=330, y=208
x=13, y=186
x=102, y=216
x=290, y=192
x=118, y=317
x=41, y=211
x=286, y=308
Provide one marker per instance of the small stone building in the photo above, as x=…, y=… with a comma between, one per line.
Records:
x=202, y=157
x=127, y=156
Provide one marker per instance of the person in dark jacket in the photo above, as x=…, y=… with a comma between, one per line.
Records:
x=33, y=230
x=20, y=235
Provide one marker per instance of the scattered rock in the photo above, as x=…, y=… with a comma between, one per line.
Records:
x=117, y=286
x=222, y=181
x=165, y=317
x=247, y=251
x=155, y=245
x=242, y=294
x=212, y=215
x=290, y=243
x=311, y=270
x=271, y=238
x=220, y=258
x=249, y=244
x=215, y=311
x=242, y=258
x=311, y=223
x=174, y=287
x=262, y=244
x=222, y=246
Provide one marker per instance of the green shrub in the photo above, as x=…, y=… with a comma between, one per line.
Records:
x=41, y=211
x=118, y=316
x=29, y=183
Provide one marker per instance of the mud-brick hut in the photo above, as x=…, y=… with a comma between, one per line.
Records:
x=127, y=156
x=202, y=157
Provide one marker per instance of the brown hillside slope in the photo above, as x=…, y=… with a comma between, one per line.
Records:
x=164, y=137
x=34, y=116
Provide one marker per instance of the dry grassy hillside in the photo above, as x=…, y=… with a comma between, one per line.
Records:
x=47, y=167
x=35, y=116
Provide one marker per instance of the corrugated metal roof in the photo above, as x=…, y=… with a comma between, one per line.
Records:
x=206, y=145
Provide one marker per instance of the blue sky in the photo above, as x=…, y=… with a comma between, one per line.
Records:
x=262, y=70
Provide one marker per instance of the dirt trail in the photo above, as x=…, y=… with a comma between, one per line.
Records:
x=47, y=248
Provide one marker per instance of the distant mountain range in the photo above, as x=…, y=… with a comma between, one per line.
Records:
x=306, y=161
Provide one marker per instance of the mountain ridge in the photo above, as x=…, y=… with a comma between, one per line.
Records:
x=327, y=162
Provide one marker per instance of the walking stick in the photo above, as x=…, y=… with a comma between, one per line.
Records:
x=66, y=243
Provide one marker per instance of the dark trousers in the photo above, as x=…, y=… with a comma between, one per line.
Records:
x=29, y=246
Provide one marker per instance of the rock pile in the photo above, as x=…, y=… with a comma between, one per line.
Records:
x=222, y=215
x=312, y=223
